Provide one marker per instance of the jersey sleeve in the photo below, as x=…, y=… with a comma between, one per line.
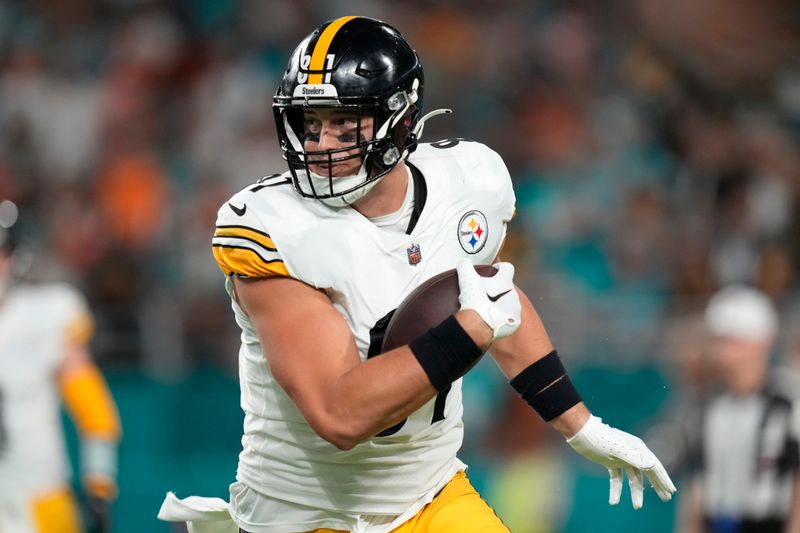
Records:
x=499, y=189
x=71, y=311
x=242, y=245
x=504, y=188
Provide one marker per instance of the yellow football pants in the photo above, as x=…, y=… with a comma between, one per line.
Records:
x=55, y=511
x=457, y=509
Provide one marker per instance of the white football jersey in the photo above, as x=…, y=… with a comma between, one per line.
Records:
x=36, y=322
x=466, y=199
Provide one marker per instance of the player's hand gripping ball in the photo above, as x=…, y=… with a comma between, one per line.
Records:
x=487, y=289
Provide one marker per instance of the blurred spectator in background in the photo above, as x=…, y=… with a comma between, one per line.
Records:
x=528, y=469
x=44, y=358
x=676, y=436
x=654, y=159
x=748, y=477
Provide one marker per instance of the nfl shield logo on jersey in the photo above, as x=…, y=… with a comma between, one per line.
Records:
x=414, y=254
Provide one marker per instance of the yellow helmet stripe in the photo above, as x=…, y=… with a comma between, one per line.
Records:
x=243, y=232
x=322, y=46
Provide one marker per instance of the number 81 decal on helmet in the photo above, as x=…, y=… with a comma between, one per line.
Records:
x=305, y=63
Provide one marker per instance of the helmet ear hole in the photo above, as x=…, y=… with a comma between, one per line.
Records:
x=398, y=101
x=391, y=156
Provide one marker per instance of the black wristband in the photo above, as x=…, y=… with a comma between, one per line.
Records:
x=445, y=352
x=556, y=399
x=546, y=387
x=538, y=375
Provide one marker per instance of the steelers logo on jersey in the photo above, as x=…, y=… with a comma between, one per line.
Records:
x=473, y=231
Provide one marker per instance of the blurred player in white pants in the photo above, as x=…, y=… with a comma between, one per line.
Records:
x=44, y=359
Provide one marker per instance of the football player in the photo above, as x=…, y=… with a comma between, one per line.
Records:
x=338, y=436
x=44, y=360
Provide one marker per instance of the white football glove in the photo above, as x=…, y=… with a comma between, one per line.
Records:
x=494, y=298
x=618, y=451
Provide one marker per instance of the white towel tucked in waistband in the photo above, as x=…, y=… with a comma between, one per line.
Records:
x=202, y=515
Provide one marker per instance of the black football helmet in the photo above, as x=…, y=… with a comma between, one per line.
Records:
x=364, y=66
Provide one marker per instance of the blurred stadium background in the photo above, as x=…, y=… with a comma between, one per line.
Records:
x=653, y=145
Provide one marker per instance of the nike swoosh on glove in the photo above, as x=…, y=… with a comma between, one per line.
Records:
x=619, y=451
x=494, y=298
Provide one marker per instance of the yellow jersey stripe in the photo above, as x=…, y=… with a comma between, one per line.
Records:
x=321, y=48
x=250, y=234
x=246, y=262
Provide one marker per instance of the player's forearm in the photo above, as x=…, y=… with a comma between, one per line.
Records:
x=572, y=420
x=384, y=390
x=527, y=345
x=343, y=399
x=371, y=397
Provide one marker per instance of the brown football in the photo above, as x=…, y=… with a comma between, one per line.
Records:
x=425, y=307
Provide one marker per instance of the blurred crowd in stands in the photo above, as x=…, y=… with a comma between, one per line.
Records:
x=653, y=145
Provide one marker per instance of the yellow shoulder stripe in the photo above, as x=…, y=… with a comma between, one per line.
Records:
x=247, y=262
x=243, y=232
